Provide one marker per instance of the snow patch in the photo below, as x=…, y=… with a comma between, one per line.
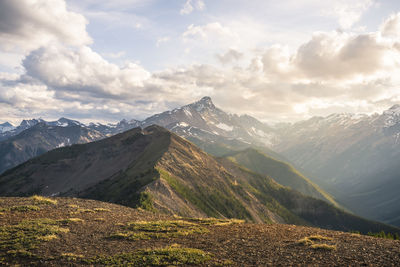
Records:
x=224, y=127
x=187, y=112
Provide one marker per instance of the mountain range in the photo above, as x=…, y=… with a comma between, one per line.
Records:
x=158, y=170
x=353, y=157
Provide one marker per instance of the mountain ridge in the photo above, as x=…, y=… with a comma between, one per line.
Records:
x=135, y=167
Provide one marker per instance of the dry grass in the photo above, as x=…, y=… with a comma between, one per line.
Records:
x=43, y=200
x=318, y=238
x=48, y=237
x=305, y=241
x=71, y=220
x=101, y=210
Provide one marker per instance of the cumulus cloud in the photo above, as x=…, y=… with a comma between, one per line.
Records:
x=26, y=25
x=347, y=12
x=191, y=5
x=214, y=31
x=230, y=56
x=83, y=71
x=331, y=56
x=391, y=26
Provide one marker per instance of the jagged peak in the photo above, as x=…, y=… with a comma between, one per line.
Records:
x=395, y=107
x=393, y=110
x=31, y=122
x=203, y=103
x=6, y=124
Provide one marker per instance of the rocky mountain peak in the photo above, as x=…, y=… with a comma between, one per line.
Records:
x=204, y=103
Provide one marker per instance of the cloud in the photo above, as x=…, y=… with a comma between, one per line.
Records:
x=214, y=32
x=27, y=25
x=391, y=26
x=336, y=55
x=162, y=40
x=347, y=12
x=83, y=71
x=191, y=5
x=230, y=56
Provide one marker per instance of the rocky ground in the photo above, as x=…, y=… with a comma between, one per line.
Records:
x=76, y=232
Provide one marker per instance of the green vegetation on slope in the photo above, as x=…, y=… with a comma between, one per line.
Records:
x=212, y=201
x=280, y=171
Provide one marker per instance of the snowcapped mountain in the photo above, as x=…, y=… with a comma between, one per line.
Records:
x=111, y=129
x=41, y=138
x=5, y=127
x=26, y=124
x=202, y=119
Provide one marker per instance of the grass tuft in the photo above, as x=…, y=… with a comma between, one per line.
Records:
x=305, y=241
x=48, y=237
x=43, y=200
x=319, y=238
x=170, y=256
x=25, y=208
x=27, y=234
x=71, y=256
x=101, y=210
x=158, y=229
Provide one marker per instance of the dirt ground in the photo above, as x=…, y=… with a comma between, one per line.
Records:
x=232, y=244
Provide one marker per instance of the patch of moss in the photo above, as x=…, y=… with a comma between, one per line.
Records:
x=26, y=235
x=71, y=256
x=170, y=256
x=146, y=201
x=158, y=229
x=25, y=208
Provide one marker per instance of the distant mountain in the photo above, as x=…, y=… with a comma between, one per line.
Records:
x=26, y=124
x=112, y=129
x=280, y=171
x=41, y=138
x=204, y=118
x=156, y=169
x=5, y=127
x=356, y=155
x=353, y=157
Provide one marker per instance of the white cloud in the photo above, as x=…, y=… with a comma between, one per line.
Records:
x=347, y=12
x=162, y=40
x=191, y=5
x=213, y=32
x=391, y=26
x=26, y=25
x=83, y=71
x=230, y=56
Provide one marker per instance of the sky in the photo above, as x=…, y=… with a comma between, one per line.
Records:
x=279, y=61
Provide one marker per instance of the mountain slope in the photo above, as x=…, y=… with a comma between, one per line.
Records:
x=155, y=169
x=280, y=171
x=39, y=139
x=357, y=155
x=205, y=118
